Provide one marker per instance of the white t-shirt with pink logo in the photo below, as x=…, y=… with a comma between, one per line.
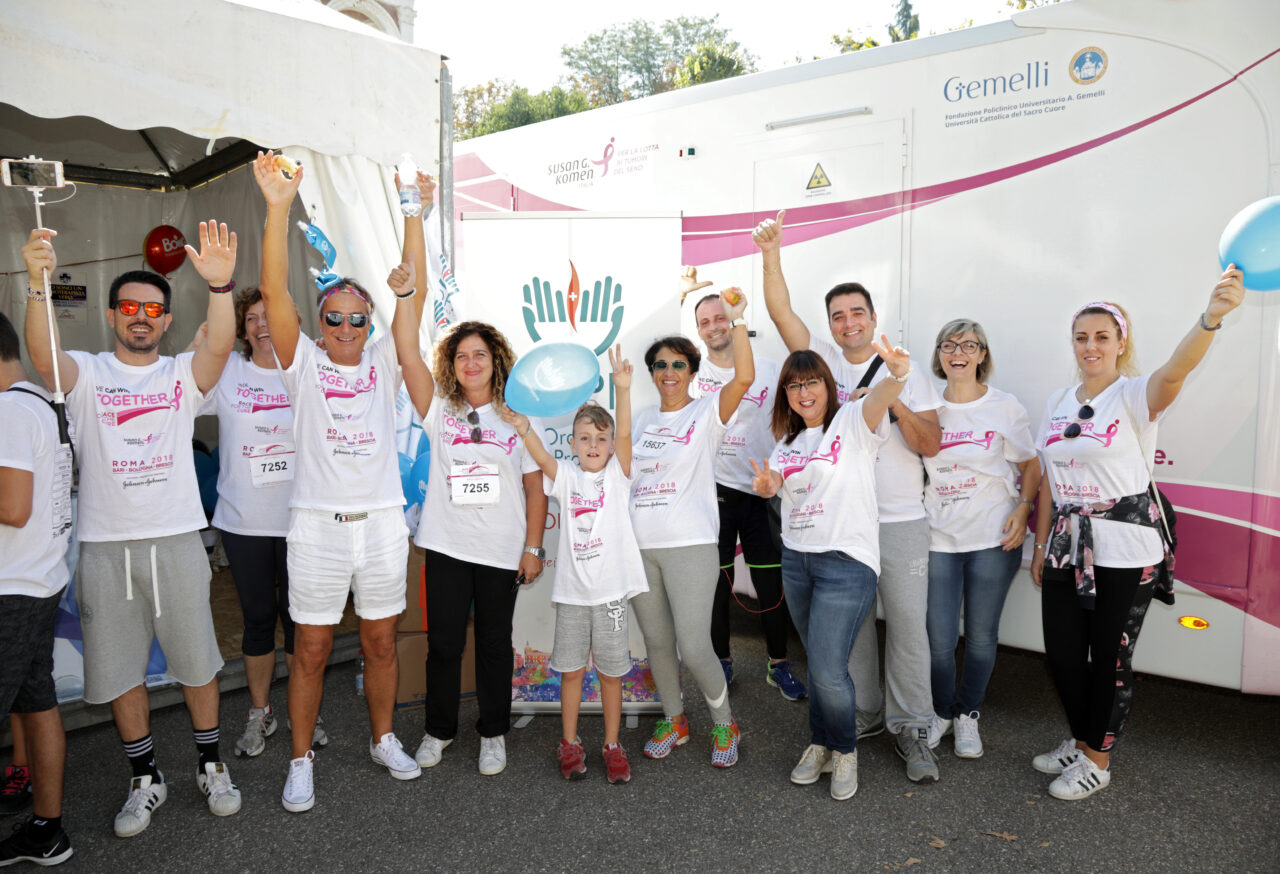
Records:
x=344, y=426
x=1104, y=463
x=597, y=560
x=971, y=488
x=133, y=437
x=749, y=436
x=475, y=505
x=673, y=484
x=899, y=472
x=257, y=461
x=828, y=487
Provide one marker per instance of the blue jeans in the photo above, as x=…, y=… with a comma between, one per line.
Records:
x=829, y=595
x=981, y=579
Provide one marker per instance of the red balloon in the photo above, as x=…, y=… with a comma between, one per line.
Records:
x=165, y=249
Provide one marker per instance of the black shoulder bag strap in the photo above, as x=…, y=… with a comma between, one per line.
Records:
x=870, y=375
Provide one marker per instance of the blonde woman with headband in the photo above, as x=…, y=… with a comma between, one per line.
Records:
x=1099, y=545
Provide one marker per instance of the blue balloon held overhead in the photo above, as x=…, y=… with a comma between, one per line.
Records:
x=552, y=378
x=419, y=474
x=1251, y=241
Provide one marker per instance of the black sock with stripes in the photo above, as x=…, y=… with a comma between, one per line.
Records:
x=207, y=746
x=142, y=758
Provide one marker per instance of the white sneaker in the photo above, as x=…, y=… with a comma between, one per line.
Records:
x=261, y=725
x=144, y=797
x=493, y=755
x=215, y=782
x=844, y=775
x=1080, y=779
x=1054, y=762
x=299, y=787
x=815, y=762
x=392, y=756
x=968, y=741
x=938, y=729
x=430, y=750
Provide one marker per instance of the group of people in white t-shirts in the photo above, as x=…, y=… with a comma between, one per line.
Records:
x=846, y=474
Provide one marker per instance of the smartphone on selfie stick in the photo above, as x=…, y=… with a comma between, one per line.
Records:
x=35, y=176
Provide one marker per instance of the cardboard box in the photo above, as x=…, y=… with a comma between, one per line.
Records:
x=412, y=651
x=414, y=617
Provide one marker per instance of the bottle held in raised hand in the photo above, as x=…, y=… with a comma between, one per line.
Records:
x=410, y=197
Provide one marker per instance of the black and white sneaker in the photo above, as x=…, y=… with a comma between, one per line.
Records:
x=145, y=795
x=1080, y=779
x=19, y=847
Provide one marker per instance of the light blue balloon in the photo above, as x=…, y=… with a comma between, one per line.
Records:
x=407, y=484
x=1251, y=241
x=420, y=473
x=552, y=378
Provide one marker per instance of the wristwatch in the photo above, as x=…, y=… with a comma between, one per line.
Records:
x=736, y=322
x=537, y=552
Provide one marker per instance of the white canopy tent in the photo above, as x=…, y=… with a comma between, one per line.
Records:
x=155, y=108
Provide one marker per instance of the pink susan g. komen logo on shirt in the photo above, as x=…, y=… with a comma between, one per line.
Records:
x=758, y=400
x=966, y=438
x=336, y=386
x=141, y=404
x=667, y=432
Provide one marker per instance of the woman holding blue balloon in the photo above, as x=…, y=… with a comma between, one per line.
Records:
x=1101, y=552
x=677, y=526
x=482, y=520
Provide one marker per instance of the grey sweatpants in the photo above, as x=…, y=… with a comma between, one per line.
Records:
x=676, y=611
x=904, y=591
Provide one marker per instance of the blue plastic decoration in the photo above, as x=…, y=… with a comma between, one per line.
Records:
x=1251, y=241
x=419, y=474
x=552, y=378
x=319, y=242
x=407, y=484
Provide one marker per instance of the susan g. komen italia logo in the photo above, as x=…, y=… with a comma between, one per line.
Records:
x=1088, y=65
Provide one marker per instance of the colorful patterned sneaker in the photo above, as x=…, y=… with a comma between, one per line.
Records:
x=968, y=741
x=726, y=665
x=391, y=755
x=15, y=791
x=1054, y=762
x=1080, y=779
x=869, y=724
x=144, y=797
x=261, y=725
x=299, y=787
x=616, y=766
x=779, y=674
x=844, y=775
x=667, y=734
x=573, y=759
x=938, y=729
x=20, y=847
x=815, y=762
x=214, y=782
x=724, y=744
x=913, y=747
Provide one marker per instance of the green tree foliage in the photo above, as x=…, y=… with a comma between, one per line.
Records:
x=639, y=58
x=1020, y=5
x=906, y=24
x=470, y=105
x=850, y=43
x=710, y=63
x=521, y=108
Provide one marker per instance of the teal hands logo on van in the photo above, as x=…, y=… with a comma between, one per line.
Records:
x=595, y=312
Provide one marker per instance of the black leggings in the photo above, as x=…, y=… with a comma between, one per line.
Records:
x=261, y=573
x=1095, y=694
x=746, y=517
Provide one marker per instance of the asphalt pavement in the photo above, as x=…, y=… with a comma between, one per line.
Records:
x=1196, y=778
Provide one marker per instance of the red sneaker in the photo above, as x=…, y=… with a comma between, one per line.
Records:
x=573, y=759
x=616, y=766
x=15, y=790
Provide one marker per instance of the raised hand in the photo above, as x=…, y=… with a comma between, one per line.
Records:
x=1226, y=295
x=39, y=255
x=689, y=281
x=768, y=234
x=735, y=302
x=402, y=279
x=277, y=189
x=764, y=482
x=426, y=188
x=897, y=359
x=621, y=369
x=519, y=421
x=216, y=260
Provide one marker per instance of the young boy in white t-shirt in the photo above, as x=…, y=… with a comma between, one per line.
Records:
x=598, y=569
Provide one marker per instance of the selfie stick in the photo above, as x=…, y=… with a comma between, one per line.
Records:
x=59, y=399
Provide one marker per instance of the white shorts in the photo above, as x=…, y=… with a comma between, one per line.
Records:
x=328, y=559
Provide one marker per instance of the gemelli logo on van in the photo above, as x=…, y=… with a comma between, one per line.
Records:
x=1088, y=65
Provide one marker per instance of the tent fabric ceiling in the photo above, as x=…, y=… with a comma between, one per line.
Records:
x=281, y=73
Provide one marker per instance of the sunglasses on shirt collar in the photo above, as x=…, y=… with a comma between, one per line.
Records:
x=1074, y=430
x=357, y=320
x=473, y=419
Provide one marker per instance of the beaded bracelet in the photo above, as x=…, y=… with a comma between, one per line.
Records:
x=35, y=293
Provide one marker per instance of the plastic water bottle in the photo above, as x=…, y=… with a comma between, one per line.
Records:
x=410, y=197
x=360, y=674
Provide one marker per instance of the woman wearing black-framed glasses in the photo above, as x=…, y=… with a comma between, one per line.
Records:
x=1100, y=555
